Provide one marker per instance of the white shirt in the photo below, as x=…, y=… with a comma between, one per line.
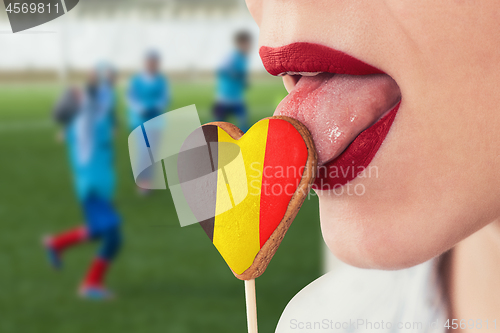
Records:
x=359, y=300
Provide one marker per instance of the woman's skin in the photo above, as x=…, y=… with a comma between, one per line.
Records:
x=438, y=169
x=472, y=276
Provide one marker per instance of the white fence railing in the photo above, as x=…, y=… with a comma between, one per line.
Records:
x=187, y=43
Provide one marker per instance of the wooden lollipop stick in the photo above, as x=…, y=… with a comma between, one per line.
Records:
x=251, y=306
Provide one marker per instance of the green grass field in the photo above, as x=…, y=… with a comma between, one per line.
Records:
x=167, y=278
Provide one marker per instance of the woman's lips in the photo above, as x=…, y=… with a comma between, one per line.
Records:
x=309, y=57
x=345, y=107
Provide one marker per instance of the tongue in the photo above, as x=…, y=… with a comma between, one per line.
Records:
x=336, y=108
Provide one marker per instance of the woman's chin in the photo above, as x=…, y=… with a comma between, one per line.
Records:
x=375, y=241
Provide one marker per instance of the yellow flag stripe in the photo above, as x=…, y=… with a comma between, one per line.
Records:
x=236, y=230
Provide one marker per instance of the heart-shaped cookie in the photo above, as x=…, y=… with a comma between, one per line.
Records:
x=246, y=189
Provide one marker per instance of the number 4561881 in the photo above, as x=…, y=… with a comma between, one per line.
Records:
x=32, y=8
x=470, y=324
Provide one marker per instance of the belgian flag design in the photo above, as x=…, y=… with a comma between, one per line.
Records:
x=244, y=183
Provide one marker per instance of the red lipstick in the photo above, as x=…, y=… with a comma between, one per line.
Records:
x=347, y=104
x=308, y=57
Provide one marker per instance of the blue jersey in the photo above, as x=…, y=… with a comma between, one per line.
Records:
x=232, y=78
x=89, y=137
x=148, y=96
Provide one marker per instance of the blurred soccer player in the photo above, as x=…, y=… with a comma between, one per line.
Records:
x=232, y=80
x=89, y=121
x=148, y=97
